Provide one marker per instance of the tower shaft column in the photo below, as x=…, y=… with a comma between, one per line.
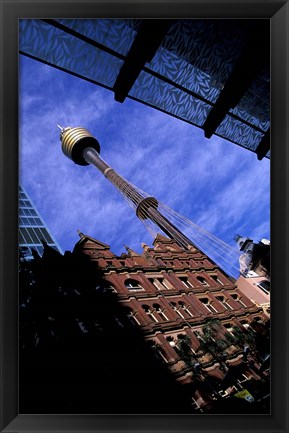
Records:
x=168, y=228
x=92, y=157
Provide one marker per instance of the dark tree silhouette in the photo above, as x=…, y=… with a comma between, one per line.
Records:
x=79, y=352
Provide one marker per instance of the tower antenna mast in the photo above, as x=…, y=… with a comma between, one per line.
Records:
x=82, y=147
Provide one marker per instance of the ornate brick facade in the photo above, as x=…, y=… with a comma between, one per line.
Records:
x=184, y=304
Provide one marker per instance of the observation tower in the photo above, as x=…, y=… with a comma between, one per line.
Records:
x=79, y=145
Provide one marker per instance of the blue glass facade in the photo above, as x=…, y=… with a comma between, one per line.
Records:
x=32, y=229
x=186, y=76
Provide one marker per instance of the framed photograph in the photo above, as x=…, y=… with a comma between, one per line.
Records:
x=144, y=157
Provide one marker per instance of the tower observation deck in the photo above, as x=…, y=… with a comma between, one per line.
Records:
x=79, y=145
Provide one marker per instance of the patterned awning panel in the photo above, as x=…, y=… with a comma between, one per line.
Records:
x=168, y=98
x=112, y=33
x=254, y=107
x=239, y=133
x=199, y=55
x=58, y=48
x=184, y=78
x=193, y=79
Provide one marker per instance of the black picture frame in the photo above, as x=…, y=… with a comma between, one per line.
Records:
x=11, y=12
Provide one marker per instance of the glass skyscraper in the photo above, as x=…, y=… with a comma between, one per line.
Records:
x=32, y=229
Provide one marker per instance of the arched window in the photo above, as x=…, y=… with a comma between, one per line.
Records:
x=149, y=313
x=203, y=281
x=185, y=308
x=132, y=316
x=133, y=285
x=237, y=299
x=215, y=278
x=207, y=303
x=160, y=312
x=224, y=302
x=177, y=309
x=186, y=282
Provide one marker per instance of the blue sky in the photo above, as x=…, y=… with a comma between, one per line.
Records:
x=214, y=183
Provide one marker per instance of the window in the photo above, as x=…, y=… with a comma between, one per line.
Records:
x=229, y=328
x=132, y=317
x=176, y=309
x=199, y=334
x=171, y=341
x=26, y=236
x=202, y=281
x=237, y=298
x=23, y=203
x=228, y=391
x=160, y=312
x=160, y=283
x=208, y=305
x=166, y=284
x=21, y=239
x=158, y=350
x=196, y=405
x=108, y=287
x=186, y=282
x=149, y=313
x=264, y=286
x=245, y=324
x=133, y=285
x=32, y=234
x=185, y=308
x=40, y=250
x=224, y=302
x=217, y=279
x=244, y=378
x=43, y=234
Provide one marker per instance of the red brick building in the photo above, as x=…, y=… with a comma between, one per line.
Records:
x=200, y=325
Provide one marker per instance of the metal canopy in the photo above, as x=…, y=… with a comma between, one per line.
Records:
x=213, y=74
